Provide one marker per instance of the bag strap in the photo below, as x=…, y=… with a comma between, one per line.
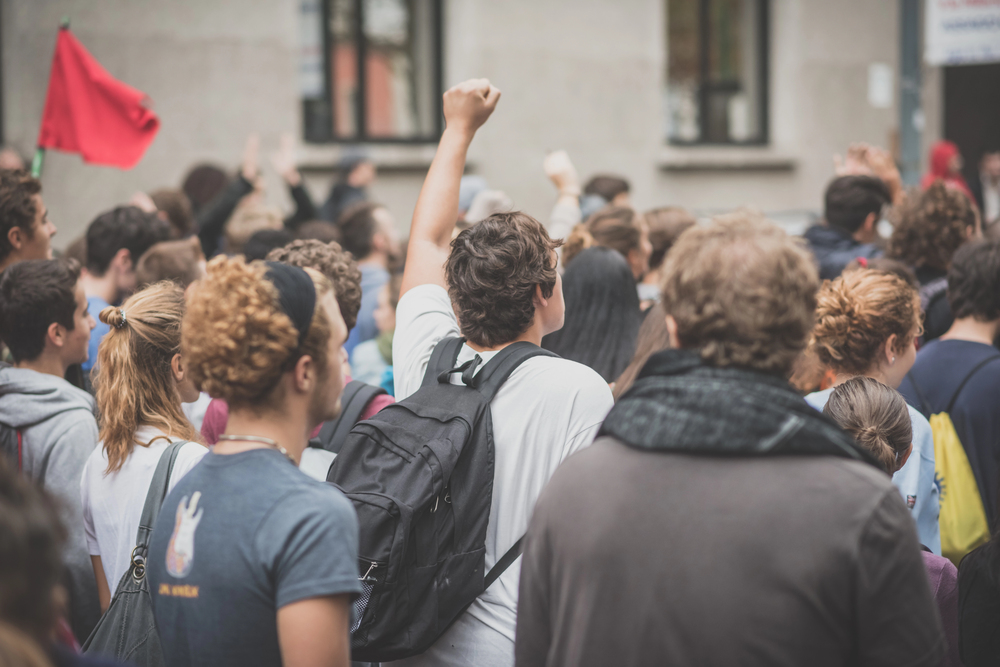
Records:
x=157, y=492
x=968, y=377
x=495, y=373
x=443, y=358
x=505, y=561
x=353, y=401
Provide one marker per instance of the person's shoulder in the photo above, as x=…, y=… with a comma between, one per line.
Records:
x=428, y=293
x=563, y=375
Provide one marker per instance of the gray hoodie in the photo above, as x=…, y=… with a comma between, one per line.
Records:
x=58, y=433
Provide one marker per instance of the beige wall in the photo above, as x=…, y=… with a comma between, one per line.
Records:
x=584, y=75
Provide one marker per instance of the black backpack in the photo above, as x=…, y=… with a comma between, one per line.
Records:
x=353, y=401
x=420, y=476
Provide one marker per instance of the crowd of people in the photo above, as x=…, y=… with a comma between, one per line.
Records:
x=234, y=436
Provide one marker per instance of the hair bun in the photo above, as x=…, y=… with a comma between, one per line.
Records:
x=113, y=316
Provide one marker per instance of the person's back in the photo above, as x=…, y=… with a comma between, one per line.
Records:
x=721, y=520
x=959, y=374
x=45, y=323
x=548, y=407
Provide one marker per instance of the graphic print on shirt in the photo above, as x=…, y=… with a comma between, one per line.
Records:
x=180, y=552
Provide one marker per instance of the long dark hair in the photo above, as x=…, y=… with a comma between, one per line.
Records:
x=602, y=313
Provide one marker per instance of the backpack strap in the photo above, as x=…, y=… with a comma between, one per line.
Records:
x=157, y=492
x=353, y=401
x=443, y=358
x=968, y=377
x=505, y=561
x=499, y=368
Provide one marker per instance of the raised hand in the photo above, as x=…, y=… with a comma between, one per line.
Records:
x=283, y=160
x=562, y=173
x=469, y=104
x=249, y=167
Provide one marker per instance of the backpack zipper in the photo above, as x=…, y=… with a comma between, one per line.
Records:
x=370, y=568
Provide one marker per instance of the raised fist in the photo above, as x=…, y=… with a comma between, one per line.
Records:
x=469, y=104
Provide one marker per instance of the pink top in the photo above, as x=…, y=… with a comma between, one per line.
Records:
x=217, y=415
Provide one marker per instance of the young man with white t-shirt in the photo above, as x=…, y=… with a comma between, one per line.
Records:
x=499, y=280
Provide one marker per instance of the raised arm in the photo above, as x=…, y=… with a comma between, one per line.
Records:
x=466, y=108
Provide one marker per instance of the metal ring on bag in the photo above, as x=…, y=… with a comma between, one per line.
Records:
x=138, y=566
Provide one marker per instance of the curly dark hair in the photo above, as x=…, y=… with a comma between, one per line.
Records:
x=492, y=272
x=333, y=262
x=931, y=226
x=974, y=281
x=17, y=205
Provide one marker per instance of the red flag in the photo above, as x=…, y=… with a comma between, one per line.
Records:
x=89, y=112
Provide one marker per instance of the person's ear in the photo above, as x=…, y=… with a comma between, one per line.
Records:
x=889, y=350
x=56, y=334
x=177, y=368
x=304, y=374
x=675, y=341
x=540, y=300
x=870, y=221
x=15, y=236
x=122, y=260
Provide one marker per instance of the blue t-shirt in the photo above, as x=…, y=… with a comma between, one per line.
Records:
x=941, y=366
x=373, y=279
x=95, y=305
x=915, y=480
x=239, y=537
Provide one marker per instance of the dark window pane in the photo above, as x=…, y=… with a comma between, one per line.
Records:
x=399, y=68
x=714, y=75
x=344, y=68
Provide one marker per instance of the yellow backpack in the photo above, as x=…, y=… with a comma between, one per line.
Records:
x=963, y=518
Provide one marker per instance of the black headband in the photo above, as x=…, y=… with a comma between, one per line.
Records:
x=296, y=294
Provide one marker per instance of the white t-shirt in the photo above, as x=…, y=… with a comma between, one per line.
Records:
x=112, y=504
x=547, y=409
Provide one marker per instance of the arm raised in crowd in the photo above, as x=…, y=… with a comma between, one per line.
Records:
x=466, y=108
x=212, y=219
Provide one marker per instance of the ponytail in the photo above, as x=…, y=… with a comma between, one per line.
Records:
x=876, y=416
x=579, y=239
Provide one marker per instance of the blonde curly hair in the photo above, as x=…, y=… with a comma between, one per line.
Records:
x=237, y=340
x=858, y=312
x=742, y=292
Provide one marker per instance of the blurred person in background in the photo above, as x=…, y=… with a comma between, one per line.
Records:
x=652, y=338
x=867, y=324
x=116, y=240
x=181, y=262
x=809, y=557
x=932, y=224
x=46, y=325
x=371, y=361
x=264, y=241
x=141, y=380
x=958, y=375
x=25, y=229
x=946, y=165
x=614, y=190
x=602, y=313
x=10, y=158
x=665, y=225
x=202, y=184
x=470, y=186
x=175, y=208
x=616, y=227
x=31, y=593
x=986, y=188
x=877, y=417
x=852, y=208
x=368, y=232
x=357, y=174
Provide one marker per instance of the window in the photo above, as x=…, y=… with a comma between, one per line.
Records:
x=716, y=78
x=370, y=70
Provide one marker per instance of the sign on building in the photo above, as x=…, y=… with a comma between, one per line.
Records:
x=962, y=32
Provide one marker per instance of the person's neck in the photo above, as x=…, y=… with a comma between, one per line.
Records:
x=973, y=330
x=102, y=287
x=288, y=427
x=376, y=258
x=533, y=334
x=50, y=364
x=875, y=374
x=652, y=277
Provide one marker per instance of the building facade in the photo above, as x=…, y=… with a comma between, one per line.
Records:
x=708, y=104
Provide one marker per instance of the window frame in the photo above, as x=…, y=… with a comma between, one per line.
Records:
x=329, y=82
x=705, y=89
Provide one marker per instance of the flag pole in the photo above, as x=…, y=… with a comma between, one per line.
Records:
x=38, y=162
